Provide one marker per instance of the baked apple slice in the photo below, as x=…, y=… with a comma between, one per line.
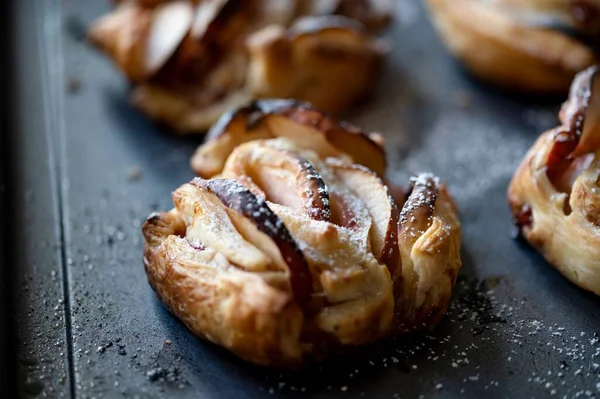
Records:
x=140, y=39
x=381, y=207
x=300, y=122
x=280, y=177
x=555, y=192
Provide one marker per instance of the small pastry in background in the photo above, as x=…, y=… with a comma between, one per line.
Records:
x=286, y=249
x=534, y=46
x=555, y=193
x=191, y=61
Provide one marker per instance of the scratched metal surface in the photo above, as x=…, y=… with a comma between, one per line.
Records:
x=86, y=170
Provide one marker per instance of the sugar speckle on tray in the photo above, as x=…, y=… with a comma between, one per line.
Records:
x=489, y=314
x=134, y=173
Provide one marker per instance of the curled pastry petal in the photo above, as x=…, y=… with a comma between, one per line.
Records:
x=554, y=194
x=429, y=241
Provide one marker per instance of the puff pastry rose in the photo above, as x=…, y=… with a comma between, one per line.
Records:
x=191, y=61
x=286, y=249
x=525, y=45
x=555, y=193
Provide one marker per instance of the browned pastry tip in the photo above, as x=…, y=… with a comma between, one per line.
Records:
x=508, y=43
x=287, y=118
x=429, y=241
x=554, y=194
x=371, y=190
x=281, y=176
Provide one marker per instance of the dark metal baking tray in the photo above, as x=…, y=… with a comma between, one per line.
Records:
x=85, y=170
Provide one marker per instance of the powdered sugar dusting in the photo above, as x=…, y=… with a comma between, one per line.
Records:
x=479, y=161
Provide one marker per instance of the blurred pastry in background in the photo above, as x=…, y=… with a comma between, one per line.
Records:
x=533, y=46
x=191, y=61
x=555, y=193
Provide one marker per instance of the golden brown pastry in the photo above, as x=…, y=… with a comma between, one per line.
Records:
x=555, y=193
x=522, y=45
x=191, y=61
x=283, y=254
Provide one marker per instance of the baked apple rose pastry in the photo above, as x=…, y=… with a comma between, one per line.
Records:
x=288, y=249
x=191, y=61
x=526, y=45
x=555, y=193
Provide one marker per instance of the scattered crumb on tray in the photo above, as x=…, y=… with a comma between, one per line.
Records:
x=134, y=173
x=74, y=85
x=462, y=99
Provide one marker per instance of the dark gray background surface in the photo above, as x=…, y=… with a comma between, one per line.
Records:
x=85, y=170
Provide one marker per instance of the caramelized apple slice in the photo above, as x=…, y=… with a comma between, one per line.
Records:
x=585, y=195
x=375, y=197
x=287, y=118
x=141, y=40
x=236, y=197
x=281, y=177
x=579, y=134
x=581, y=112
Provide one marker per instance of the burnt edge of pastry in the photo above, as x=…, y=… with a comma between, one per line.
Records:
x=257, y=210
x=419, y=206
x=322, y=209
